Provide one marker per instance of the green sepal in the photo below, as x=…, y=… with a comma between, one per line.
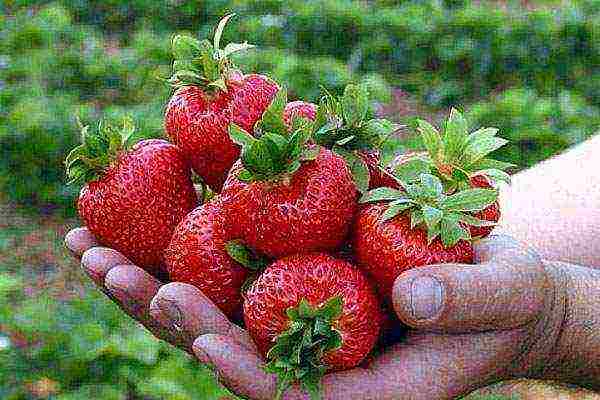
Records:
x=382, y=194
x=456, y=155
x=98, y=150
x=297, y=353
x=355, y=103
x=202, y=63
x=244, y=256
x=358, y=168
x=272, y=118
x=470, y=200
x=343, y=121
x=429, y=208
x=270, y=156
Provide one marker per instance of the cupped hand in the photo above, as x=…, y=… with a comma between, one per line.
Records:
x=473, y=325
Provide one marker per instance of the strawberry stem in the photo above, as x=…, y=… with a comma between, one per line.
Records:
x=202, y=63
x=298, y=352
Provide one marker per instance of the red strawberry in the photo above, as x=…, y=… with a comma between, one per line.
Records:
x=309, y=314
x=197, y=255
x=420, y=226
x=298, y=109
x=342, y=125
x=459, y=159
x=210, y=95
x=286, y=196
x=135, y=197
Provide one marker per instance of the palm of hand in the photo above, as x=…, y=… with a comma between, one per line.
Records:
x=475, y=325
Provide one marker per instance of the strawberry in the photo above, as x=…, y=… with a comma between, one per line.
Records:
x=135, y=195
x=288, y=196
x=211, y=94
x=342, y=125
x=311, y=313
x=414, y=226
x=461, y=160
x=300, y=109
x=198, y=254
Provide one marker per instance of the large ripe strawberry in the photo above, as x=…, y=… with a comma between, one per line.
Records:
x=210, y=94
x=288, y=196
x=417, y=225
x=135, y=196
x=311, y=313
x=343, y=125
x=198, y=254
x=461, y=160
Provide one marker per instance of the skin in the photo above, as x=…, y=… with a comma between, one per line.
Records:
x=511, y=315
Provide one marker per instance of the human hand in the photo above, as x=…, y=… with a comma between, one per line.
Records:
x=502, y=318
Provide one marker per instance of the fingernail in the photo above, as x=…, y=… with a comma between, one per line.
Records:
x=172, y=314
x=426, y=297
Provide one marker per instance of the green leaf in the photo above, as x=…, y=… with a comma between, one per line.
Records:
x=410, y=171
x=355, y=103
x=416, y=218
x=185, y=47
x=379, y=129
x=488, y=163
x=239, y=136
x=455, y=135
x=358, y=168
x=431, y=139
x=432, y=185
x=496, y=175
x=470, y=200
x=210, y=67
x=272, y=118
x=257, y=158
x=305, y=310
x=220, y=28
x=332, y=309
x=432, y=215
x=395, y=208
x=476, y=150
x=452, y=232
x=382, y=194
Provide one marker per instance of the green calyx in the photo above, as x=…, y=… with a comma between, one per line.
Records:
x=98, y=150
x=344, y=126
x=202, y=63
x=249, y=259
x=273, y=154
x=455, y=155
x=298, y=352
x=441, y=215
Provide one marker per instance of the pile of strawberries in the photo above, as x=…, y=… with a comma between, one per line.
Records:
x=305, y=233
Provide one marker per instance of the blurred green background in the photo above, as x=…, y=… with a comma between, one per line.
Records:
x=532, y=68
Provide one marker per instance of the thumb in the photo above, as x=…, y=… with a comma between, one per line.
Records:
x=506, y=291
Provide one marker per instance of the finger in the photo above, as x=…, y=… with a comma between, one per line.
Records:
x=237, y=367
x=187, y=313
x=428, y=366
x=97, y=261
x=501, y=249
x=132, y=289
x=78, y=240
x=506, y=291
